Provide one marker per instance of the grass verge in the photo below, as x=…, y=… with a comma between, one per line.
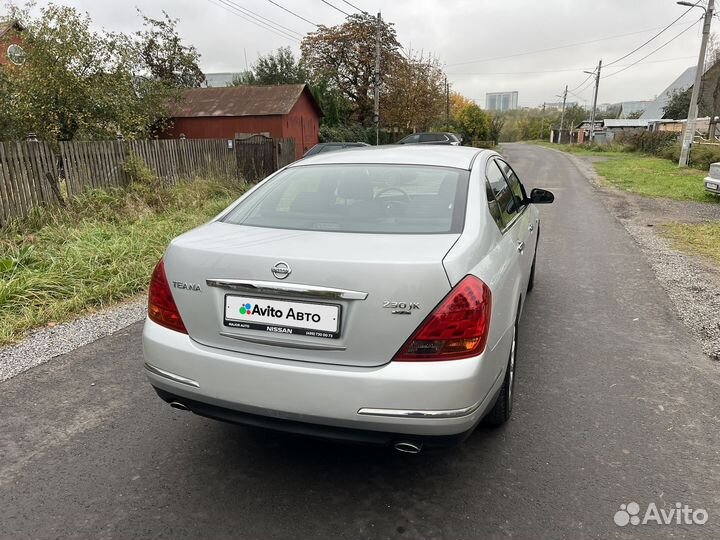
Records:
x=642, y=174
x=694, y=239
x=59, y=263
x=655, y=177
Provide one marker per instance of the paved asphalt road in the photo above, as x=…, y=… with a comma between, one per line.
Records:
x=615, y=404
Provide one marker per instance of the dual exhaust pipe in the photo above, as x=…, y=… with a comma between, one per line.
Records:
x=404, y=447
x=179, y=406
x=408, y=447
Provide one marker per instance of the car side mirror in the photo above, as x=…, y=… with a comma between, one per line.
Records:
x=541, y=196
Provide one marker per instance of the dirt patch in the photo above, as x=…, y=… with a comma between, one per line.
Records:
x=693, y=283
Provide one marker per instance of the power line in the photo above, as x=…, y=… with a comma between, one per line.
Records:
x=582, y=83
x=335, y=7
x=355, y=7
x=651, y=52
x=537, y=51
x=651, y=39
x=232, y=9
x=253, y=14
x=563, y=70
x=292, y=13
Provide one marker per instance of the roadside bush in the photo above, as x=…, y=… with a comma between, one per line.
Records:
x=138, y=171
x=143, y=182
x=606, y=147
x=671, y=152
x=702, y=155
x=357, y=134
x=650, y=142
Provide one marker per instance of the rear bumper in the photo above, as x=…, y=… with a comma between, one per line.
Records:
x=712, y=185
x=340, y=434
x=435, y=399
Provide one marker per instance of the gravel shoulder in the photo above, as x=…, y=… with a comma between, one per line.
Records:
x=46, y=343
x=692, y=283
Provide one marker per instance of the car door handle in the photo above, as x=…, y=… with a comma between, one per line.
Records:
x=521, y=246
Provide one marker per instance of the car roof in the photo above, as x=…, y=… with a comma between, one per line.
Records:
x=459, y=157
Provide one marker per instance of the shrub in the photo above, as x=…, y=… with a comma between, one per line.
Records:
x=650, y=142
x=357, y=134
x=702, y=155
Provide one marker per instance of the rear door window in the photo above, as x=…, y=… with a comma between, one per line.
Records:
x=392, y=199
x=433, y=137
x=515, y=184
x=501, y=190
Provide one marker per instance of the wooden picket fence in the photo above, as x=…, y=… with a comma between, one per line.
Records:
x=28, y=172
x=32, y=173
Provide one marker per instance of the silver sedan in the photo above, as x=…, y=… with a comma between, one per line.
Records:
x=370, y=295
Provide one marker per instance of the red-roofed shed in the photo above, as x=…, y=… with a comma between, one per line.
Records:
x=283, y=111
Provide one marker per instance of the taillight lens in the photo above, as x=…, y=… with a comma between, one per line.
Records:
x=457, y=328
x=161, y=305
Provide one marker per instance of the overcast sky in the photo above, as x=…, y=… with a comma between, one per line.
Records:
x=459, y=32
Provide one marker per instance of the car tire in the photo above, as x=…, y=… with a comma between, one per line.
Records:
x=501, y=411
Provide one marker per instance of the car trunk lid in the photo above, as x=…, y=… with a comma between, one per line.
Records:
x=375, y=288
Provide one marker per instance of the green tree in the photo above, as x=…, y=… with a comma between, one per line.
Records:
x=77, y=82
x=474, y=123
x=678, y=105
x=279, y=67
x=243, y=78
x=344, y=56
x=335, y=107
x=497, y=121
x=574, y=115
x=413, y=95
x=164, y=56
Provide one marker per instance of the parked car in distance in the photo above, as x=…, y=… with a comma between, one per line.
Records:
x=371, y=296
x=712, y=181
x=432, y=138
x=320, y=148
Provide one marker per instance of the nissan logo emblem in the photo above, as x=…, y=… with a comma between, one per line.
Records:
x=281, y=270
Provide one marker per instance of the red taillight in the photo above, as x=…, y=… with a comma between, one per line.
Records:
x=457, y=328
x=161, y=305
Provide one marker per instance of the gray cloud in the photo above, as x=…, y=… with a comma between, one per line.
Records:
x=457, y=31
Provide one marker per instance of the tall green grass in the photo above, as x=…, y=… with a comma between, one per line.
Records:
x=643, y=174
x=61, y=262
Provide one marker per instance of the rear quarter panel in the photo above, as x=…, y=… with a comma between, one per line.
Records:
x=482, y=250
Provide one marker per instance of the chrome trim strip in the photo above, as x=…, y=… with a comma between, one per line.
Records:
x=274, y=288
x=285, y=343
x=402, y=413
x=171, y=376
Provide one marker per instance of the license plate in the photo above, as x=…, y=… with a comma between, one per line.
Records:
x=714, y=187
x=282, y=317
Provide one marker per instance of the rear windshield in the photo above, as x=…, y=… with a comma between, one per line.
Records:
x=393, y=199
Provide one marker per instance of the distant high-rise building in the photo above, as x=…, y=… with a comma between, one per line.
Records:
x=501, y=101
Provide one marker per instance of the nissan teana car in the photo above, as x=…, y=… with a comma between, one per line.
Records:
x=367, y=295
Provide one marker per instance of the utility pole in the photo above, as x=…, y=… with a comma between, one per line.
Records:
x=594, y=106
x=376, y=115
x=447, y=105
x=542, y=122
x=562, y=114
x=693, y=109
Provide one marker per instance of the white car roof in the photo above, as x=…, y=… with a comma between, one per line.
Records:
x=459, y=157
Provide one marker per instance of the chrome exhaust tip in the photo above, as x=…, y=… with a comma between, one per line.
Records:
x=179, y=406
x=408, y=447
